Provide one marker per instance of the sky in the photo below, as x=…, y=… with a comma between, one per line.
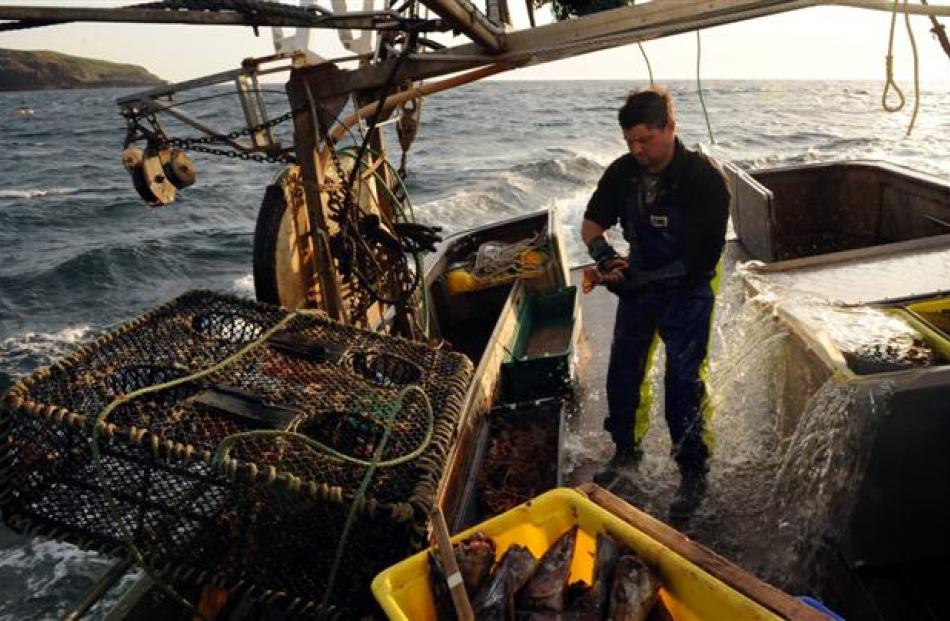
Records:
x=821, y=43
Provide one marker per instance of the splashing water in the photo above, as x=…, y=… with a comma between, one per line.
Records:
x=815, y=487
x=791, y=445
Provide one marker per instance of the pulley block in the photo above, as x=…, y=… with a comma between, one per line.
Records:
x=158, y=172
x=178, y=167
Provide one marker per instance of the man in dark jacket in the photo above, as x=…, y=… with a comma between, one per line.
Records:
x=673, y=205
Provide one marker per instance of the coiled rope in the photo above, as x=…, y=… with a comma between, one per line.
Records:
x=403, y=215
x=500, y=260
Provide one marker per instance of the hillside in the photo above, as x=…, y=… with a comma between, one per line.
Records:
x=29, y=70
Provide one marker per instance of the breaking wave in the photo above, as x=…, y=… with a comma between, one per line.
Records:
x=38, y=192
x=21, y=354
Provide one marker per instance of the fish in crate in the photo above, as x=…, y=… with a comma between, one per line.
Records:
x=522, y=586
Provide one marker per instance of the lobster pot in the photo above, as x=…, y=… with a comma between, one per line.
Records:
x=305, y=408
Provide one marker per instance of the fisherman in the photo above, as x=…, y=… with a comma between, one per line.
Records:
x=673, y=204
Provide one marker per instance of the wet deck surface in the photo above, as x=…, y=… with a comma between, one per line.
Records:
x=761, y=510
x=788, y=449
x=652, y=486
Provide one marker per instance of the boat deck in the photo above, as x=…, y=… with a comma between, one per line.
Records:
x=772, y=506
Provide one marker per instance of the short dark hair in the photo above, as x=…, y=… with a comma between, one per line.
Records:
x=652, y=107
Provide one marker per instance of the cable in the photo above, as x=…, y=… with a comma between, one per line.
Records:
x=647, y=61
x=699, y=87
x=406, y=215
x=219, y=95
x=384, y=91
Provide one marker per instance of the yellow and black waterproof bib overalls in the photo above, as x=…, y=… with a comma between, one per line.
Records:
x=679, y=312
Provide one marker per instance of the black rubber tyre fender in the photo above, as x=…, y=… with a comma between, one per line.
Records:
x=272, y=246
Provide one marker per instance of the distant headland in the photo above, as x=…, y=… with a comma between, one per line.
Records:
x=37, y=70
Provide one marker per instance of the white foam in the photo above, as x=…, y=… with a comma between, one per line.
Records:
x=71, y=334
x=466, y=209
x=37, y=192
x=28, y=346
x=585, y=447
x=244, y=285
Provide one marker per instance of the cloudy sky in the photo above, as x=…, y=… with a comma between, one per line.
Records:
x=825, y=43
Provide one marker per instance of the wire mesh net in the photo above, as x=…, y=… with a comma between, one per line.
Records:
x=269, y=515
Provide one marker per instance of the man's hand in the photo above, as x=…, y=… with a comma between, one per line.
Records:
x=610, y=272
x=613, y=271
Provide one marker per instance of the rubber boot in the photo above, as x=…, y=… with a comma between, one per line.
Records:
x=624, y=459
x=691, y=491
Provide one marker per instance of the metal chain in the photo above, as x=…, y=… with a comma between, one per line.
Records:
x=235, y=154
x=196, y=143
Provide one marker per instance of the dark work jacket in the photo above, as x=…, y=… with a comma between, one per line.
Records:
x=692, y=192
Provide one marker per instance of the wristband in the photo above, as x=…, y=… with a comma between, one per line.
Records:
x=599, y=250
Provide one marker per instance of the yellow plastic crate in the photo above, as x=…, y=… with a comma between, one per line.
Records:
x=939, y=342
x=935, y=313
x=688, y=591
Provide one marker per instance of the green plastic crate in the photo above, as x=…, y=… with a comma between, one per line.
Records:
x=542, y=356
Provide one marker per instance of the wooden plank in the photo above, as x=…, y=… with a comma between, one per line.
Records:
x=888, y=5
x=462, y=15
x=627, y=25
x=483, y=390
x=354, y=21
x=417, y=92
x=299, y=265
x=739, y=579
x=453, y=9
x=145, y=97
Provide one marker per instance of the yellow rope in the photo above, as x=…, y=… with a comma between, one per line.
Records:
x=889, y=64
x=913, y=45
x=364, y=485
x=225, y=446
x=889, y=82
